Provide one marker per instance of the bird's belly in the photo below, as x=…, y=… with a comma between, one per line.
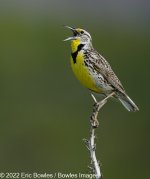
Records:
x=83, y=74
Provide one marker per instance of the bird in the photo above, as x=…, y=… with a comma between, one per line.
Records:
x=93, y=70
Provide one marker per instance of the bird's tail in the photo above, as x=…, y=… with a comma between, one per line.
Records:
x=127, y=102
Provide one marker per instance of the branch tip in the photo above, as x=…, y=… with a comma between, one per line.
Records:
x=90, y=144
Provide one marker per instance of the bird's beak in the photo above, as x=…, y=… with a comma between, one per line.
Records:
x=74, y=33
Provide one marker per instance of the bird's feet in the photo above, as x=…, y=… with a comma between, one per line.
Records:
x=96, y=107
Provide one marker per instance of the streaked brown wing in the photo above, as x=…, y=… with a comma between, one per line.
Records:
x=102, y=66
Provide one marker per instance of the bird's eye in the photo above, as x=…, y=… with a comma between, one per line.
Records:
x=82, y=32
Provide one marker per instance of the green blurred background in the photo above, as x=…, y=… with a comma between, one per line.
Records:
x=44, y=112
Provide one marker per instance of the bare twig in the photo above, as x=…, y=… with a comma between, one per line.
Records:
x=90, y=144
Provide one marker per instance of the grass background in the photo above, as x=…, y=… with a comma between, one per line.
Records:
x=44, y=110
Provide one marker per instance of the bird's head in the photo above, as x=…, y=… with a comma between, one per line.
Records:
x=79, y=35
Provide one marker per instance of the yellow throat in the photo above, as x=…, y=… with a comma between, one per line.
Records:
x=79, y=68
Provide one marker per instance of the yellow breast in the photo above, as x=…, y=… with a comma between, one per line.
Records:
x=82, y=73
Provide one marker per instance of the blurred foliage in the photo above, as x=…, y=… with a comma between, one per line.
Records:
x=45, y=111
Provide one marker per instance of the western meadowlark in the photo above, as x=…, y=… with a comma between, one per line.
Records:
x=93, y=71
